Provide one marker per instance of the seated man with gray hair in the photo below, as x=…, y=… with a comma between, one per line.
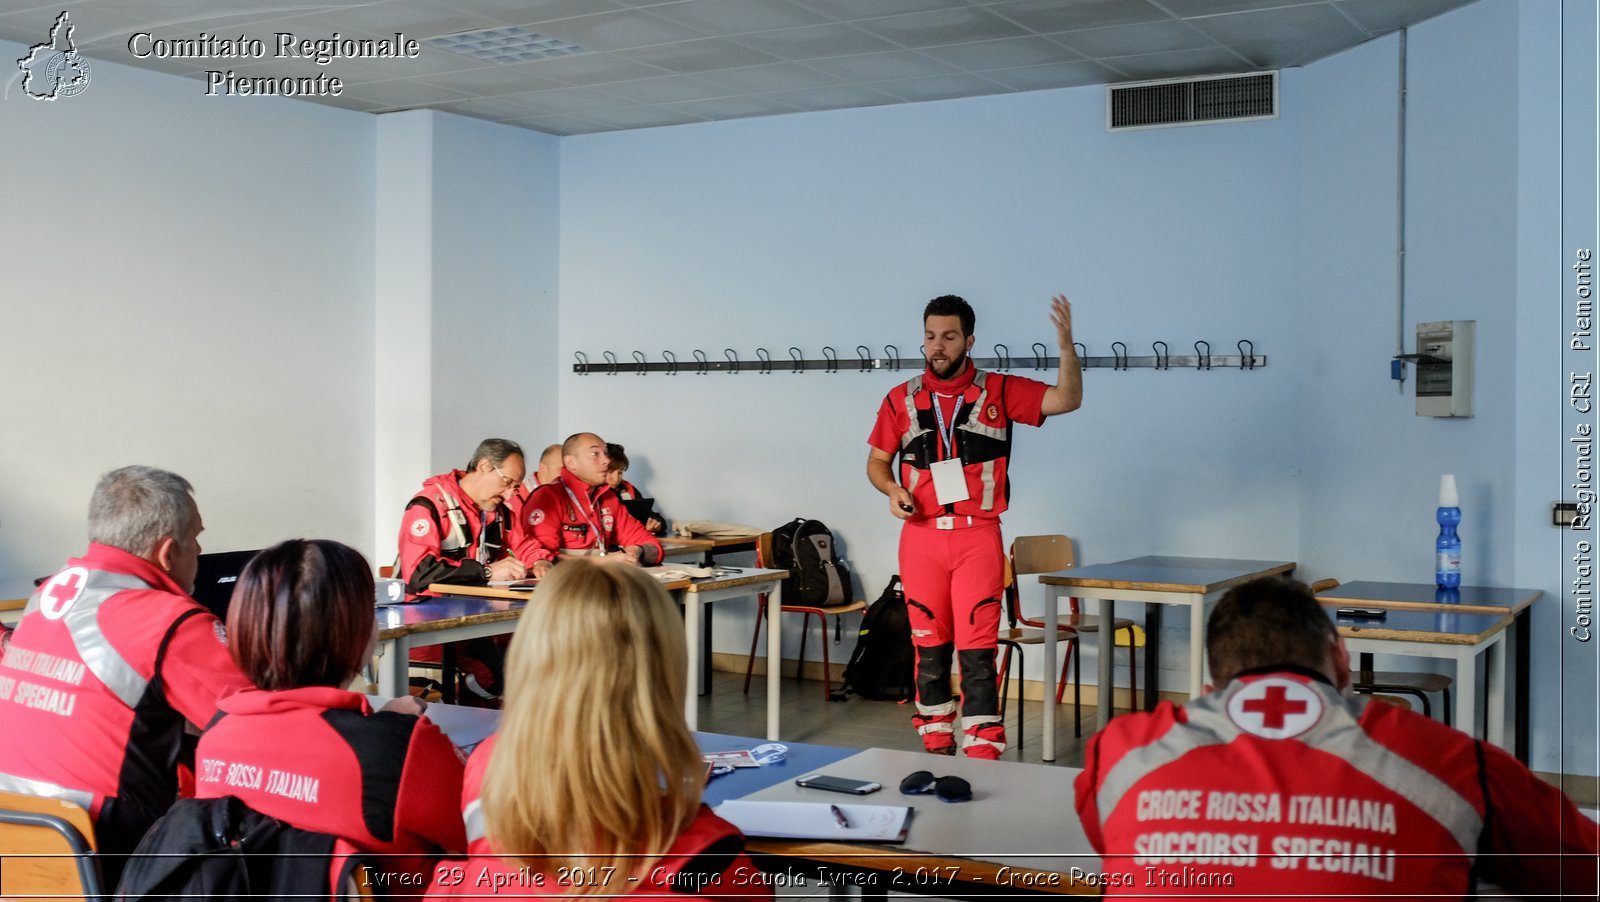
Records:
x=111, y=658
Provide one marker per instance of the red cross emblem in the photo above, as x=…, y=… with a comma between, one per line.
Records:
x=61, y=591
x=1275, y=708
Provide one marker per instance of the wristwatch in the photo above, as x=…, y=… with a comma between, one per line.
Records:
x=486, y=575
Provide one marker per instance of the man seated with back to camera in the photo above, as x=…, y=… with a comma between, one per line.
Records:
x=455, y=532
x=1279, y=782
x=579, y=515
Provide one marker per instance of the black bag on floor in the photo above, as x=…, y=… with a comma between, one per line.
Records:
x=816, y=575
x=883, y=665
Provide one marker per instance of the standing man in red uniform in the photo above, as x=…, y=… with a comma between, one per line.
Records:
x=951, y=427
x=1278, y=783
x=578, y=514
x=109, y=661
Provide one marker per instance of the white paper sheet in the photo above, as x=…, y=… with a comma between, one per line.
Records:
x=815, y=820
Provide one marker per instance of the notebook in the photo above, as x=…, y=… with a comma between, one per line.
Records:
x=642, y=509
x=815, y=820
x=214, y=577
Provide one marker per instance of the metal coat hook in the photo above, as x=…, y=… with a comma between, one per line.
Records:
x=1040, y=352
x=733, y=360
x=766, y=361
x=583, y=363
x=611, y=362
x=865, y=353
x=1163, y=355
x=1121, y=358
x=672, y=362
x=893, y=353
x=832, y=357
x=642, y=361
x=1202, y=358
x=1247, y=359
x=701, y=365
x=1083, y=354
x=1004, y=353
x=798, y=362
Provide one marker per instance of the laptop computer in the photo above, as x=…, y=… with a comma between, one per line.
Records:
x=215, y=576
x=642, y=509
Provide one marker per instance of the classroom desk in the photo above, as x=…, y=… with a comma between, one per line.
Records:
x=11, y=610
x=1154, y=580
x=1019, y=834
x=680, y=548
x=1454, y=636
x=476, y=611
x=1517, y=603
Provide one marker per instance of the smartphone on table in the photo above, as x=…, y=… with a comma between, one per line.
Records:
x=838, y=784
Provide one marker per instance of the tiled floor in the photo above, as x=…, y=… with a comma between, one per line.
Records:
x=862, y=723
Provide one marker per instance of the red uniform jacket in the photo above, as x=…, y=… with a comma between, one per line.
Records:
x=446, y=538
x=1276, y=785
x=319, y=759
x=990, y=403
x=551, y=523
x=708, y=860
x=108, y=662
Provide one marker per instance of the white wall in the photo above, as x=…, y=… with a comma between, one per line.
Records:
x=835, y=228
x=179, y=291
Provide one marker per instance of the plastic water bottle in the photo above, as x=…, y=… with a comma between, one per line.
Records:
x=1447, y=569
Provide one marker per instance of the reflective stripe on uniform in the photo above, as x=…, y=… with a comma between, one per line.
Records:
x=456, y=538
x=998, y=433
x=472, y=816
x=83, y=626
x=1337, y=733
x=914, y=428
x=986, y=477
x=943, y=709
x=25, y=786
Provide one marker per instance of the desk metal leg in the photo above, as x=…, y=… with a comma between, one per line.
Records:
x=774, y=657
x=447, y=674
x=1467, y=692
x=1494, y=693
x=1152, y=655
x=1105, y=647
x=394, y=657
x=691, y=629
x=705, y=658
x=1522, y=651
x=1052, y=597
x=1197, y=648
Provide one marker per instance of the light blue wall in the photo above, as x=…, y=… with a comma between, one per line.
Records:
x=835, y=228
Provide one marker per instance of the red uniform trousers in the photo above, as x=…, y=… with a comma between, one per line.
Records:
x=953, y=581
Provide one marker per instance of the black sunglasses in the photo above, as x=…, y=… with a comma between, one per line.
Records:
x=948, y=789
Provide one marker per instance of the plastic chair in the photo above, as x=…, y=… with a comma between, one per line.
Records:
x=822, y=612
x=46, y=849
x=1415, y=684
x=1050, y=554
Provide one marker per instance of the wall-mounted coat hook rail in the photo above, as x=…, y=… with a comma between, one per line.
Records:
x=1040, y=360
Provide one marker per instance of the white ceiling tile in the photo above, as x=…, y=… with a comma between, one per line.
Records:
x=946, y=26
x=703, y=55
x=619, y=30
x=348, y=101
x=496, y=108
x=735, y=107
x=1124, y=40
x=1045, y=16
x=1053, y=75
x=668, y=89
x=644, y=117
x=1380, y=16
x=1295, y=23
x=565, y=124
x=815, y=42
x=1003, y=54
x=531, y=12
x=771, y=78
x=402, y=94
x=593, y=69
x=487, y=82
x=726, y=17
x=416, y=18
x=941, y=87
x=835, y=97
x=1191, y=8
x=1180, y=64
x=572, y=100
x=852, y=10
x=882, y=66
x=429, y=61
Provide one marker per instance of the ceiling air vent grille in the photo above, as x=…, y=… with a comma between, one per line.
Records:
x=1191, y=101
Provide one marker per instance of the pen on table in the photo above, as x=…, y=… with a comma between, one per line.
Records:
x=839, y=817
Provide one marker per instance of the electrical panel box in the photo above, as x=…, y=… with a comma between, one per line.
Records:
x=1444, y=368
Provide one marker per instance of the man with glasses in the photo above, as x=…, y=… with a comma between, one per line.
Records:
x=455, y=532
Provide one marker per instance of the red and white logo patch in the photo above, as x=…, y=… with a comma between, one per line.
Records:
x=535, y=517
x=1275, y=708
x=57, y=596
x=609, y=521
x=992, y=413
x=420, y=527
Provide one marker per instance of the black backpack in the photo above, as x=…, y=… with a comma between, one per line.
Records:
x=816, y=575
x=883, y=665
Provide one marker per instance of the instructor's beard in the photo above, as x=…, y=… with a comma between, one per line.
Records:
x=952, y=369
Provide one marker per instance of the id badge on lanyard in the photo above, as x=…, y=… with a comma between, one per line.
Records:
x=949, y=479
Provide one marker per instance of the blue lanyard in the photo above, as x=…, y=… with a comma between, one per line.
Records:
x=947, y=433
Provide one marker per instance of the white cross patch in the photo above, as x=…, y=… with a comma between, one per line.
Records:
x=1275, y=708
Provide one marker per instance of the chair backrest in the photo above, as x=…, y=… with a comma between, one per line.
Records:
x=385, y=572
x=764, y=550
x=1041, y=554
x=47, y=848
x=1323, y=585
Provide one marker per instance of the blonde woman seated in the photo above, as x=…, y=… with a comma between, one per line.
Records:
x=593, y=777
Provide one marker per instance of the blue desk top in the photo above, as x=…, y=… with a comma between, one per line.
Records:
x=804, y=758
